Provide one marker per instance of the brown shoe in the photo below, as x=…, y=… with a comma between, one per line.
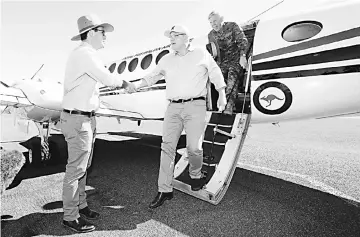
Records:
x=89, y=214
x=79, y=225
x=160, y=199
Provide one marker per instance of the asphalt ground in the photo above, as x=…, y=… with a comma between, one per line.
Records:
x=322, y=157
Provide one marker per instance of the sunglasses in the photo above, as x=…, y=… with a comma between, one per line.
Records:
x=102, y=31
x=175, y=35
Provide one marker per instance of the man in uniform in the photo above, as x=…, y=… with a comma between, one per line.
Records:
x=232, y=43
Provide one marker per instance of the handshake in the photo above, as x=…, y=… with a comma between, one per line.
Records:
x=129, y=87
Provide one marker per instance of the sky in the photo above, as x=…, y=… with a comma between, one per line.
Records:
x=38, y=32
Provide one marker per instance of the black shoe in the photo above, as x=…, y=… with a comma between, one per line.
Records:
x=89, y=214
x=197, y=184
x=79, y=225
x=160, y=199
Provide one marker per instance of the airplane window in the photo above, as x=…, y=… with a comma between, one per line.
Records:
x=146, y=61
x=133, y=64
x=112, y=67
x=121, y=67
x=160, y=55
x=303, y=30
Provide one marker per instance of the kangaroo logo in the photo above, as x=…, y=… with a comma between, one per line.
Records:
x=270, y=98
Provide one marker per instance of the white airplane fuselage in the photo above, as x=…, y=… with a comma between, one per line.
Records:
x=302, y=66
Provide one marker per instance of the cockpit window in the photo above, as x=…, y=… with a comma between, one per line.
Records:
x=133, y=64
x=160, y=55
x=112, y=67
x=146, y=61
x=303, y=30
x=121, y=67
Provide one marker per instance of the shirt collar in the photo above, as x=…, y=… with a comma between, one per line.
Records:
x=190, y=49
x=86, y=44
x=221, y=28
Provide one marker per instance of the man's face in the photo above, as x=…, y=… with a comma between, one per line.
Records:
x=99, y=38
x=215, y=22
x=177, y=40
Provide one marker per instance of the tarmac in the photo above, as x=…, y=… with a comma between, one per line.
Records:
x=296, y=179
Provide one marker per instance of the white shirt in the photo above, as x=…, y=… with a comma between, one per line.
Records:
x=84, y=71
x=187, y=76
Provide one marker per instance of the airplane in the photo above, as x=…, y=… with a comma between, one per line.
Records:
x=300, y=66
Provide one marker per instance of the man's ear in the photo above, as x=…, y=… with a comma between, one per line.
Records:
x=91, y=33
x=186, y=38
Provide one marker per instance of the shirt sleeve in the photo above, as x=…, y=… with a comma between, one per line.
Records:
x=240, y=38
x=215, y=75
x=210, y=37
x=156, y=74
x=97, y=70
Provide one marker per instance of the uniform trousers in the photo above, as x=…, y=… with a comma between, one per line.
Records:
x=233, y=76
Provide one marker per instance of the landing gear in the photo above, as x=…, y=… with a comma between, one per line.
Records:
x=44, y=140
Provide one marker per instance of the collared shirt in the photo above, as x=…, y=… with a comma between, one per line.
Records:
x=187, y=76
x=83, y=74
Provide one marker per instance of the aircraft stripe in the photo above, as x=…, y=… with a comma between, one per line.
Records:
x=308, y=67
x=309, y=73
x=109, y=89
x=340, y=36
x=333, y=55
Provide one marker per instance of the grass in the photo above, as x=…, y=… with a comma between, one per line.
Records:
x=11, y=163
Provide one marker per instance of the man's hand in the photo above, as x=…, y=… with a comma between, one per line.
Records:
x=221, y=103
x=129, y=87
x=243, y=61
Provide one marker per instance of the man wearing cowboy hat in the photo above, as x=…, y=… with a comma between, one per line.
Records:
x=83, y=74
x=186, y=72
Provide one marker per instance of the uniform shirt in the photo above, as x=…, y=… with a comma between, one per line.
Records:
x=232, y=42
x=187, y=76
x=84, y=71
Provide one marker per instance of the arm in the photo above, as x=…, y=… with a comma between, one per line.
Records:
x=210, y=38
x=213, y=47
x=97, y=71
x=216, y=77
x=151, y=78
x=241, y=39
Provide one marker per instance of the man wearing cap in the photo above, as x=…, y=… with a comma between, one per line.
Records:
x=83, y=74
x=232, y=43
x=186, y=72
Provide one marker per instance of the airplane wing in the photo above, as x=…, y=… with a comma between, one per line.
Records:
x=10, y=96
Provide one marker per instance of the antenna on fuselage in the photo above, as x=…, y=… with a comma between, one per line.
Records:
x=266, y=10
x=36, y=72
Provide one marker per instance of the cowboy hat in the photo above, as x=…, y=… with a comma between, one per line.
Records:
x=89, y=22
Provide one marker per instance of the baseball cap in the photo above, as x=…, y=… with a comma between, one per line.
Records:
x=178, y=29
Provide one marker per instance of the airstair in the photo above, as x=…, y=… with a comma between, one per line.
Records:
x=223, y=140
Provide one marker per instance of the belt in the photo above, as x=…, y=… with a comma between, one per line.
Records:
x=89, y=114
x=187, y=100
